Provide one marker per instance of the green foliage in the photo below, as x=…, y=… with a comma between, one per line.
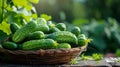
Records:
x=16, y=11
x=34, y=1
x=24, y=3
x=94, y=56
x=5, y=27
x=117, y=53
x=80, y=21
x=73, y=61
x=105, y=34
x=46, y=17
x=102, y=9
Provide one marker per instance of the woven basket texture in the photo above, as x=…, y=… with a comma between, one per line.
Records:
x=49, y=56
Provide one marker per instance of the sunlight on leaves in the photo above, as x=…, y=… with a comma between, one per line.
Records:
x=34, y=1
x=28, y=7
x=27, y=18
x=20, y=2
x=5, y=27
x=73, y=61
x=80, y=22
x=34, y=16
x=95, y=56
x=46, y=17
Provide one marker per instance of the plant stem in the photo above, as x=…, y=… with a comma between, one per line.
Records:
x=2, y=10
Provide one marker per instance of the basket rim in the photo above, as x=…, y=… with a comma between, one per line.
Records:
x=61, y=50
x=56, y=56
x=82, y=47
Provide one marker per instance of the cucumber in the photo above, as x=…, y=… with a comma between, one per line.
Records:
x=35, y=35
x=82, y=40
x=50, y=24
x=63, y=37
x=39, y=44
x=20, y=34
x=82, y=36
x=54, y=29
x=61, y=26
x=9, y=45
x=41, y=21
x=14, y=27
x=42, y=27
x=76, y=30
x=64, y=45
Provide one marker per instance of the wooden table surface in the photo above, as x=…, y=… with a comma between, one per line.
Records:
x=82, y=63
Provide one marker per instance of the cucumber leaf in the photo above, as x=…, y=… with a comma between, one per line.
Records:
x=5, y=27
x=34, y=1
x=46, y=17
x=22, y=3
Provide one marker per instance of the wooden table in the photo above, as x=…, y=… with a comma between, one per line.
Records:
x=83, y=63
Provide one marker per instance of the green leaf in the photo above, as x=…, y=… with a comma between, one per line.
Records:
x=99, y=42
x=28, y=7
x=13, y=17
x=5, y=27
x=34, y=1
x=80, y=21
x=22, y=3
x=46, y=17
x=117, y=53
x=73, y=61
x=34, y=16
x=27, y=18
x=96, y=56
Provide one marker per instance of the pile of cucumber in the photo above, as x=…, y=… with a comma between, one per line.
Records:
x=42, y=34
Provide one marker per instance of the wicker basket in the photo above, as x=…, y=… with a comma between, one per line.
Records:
x=50, y=56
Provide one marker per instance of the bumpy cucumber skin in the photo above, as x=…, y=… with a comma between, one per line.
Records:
x=41, y=21
x=35, y=35
x=63, y=45
x=39, y=44
x=9, y=45
x=82, y=36
x=20, y=34
x=50, y=24
x=61, y=26
x=63, y=37
x=42, y=27
x=82, y=40
x=14, y=27
x=76, y=30
x=54, y=29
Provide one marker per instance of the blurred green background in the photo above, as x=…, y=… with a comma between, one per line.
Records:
x=98, y=19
